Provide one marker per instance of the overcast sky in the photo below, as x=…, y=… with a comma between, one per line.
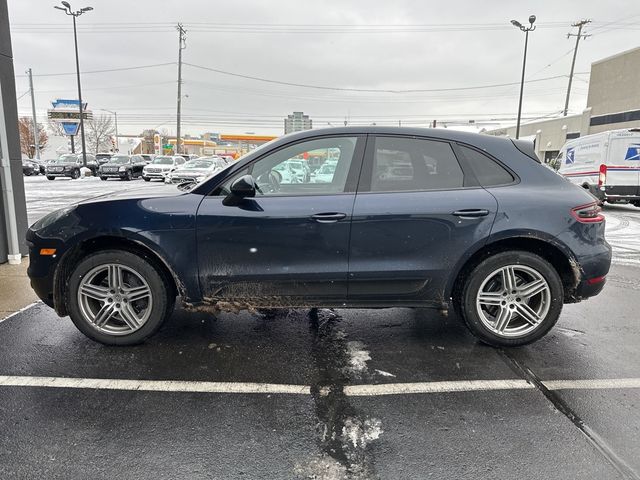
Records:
x=358, y=44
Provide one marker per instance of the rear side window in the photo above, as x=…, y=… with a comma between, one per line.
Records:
x=488, y=172
x=408, y=164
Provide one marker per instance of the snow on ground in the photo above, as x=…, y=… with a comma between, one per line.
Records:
x=45, y=196
x=623, y=233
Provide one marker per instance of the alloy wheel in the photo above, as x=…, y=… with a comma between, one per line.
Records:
x=115, y=299
x=513, y=301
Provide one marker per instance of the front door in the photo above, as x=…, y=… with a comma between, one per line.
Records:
x=287, y=246
x=416, y=213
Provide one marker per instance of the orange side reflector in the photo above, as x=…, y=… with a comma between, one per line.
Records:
x=47, y=251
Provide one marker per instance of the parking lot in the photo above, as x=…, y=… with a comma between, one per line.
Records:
x=395, y=393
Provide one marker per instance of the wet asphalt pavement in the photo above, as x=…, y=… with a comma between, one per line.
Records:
x=352, y=416
x=327, y=433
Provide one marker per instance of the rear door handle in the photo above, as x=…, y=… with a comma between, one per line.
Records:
x=471, y=213
x=328, y=217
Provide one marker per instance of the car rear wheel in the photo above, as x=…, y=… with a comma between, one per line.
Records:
x=50, y=178
x=127, y=176
x=512, y=298
x=75, y=175
x=103, y=178
x=118, y=298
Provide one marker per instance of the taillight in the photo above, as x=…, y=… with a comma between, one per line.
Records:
x=589, y=213
x=602, y=178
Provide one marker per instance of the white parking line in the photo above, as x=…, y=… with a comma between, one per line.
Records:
x=435, y=387
x=349, y=390
x=152, y=385
x=593, y=384
x=20, y=311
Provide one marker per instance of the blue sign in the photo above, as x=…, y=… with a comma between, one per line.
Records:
x=571, y=156
x=70, y=128
x=633, y=152
x=68, y=103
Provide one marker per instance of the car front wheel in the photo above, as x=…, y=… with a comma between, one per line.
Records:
x=512, y=298
x=118, y=298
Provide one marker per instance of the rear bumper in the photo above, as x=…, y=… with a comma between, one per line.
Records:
x=620, y=193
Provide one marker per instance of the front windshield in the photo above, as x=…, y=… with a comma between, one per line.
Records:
x=163, y=161
x=119, y=160
x=198, y=164
x=69, y=157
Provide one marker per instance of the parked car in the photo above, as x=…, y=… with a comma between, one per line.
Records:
x=123, y=167
x=196, y=170
x=103, y=157
x=480, y=227
x=147, y=158
x=30, y=167
x=325, y=173
x=69, y=165
x=161, y=166
x=607, y=164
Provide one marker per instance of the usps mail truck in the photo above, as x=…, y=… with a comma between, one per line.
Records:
x=607, y=164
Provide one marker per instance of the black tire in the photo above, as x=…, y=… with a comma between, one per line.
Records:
x=103, y=178
x=127, y=176
x=50, y=178
x=146, y=179
x=484, y=270
x=163, y=301
x=75, y=175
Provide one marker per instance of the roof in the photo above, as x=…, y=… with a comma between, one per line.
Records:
x=477, y=139
x=621, y=54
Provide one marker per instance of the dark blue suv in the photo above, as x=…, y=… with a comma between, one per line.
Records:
x=388, y=217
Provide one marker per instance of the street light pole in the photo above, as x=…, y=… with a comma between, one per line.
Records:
x=66, y=7
x=526, y=30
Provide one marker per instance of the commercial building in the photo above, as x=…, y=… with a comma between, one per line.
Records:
x=613, y=102
x=297, y=122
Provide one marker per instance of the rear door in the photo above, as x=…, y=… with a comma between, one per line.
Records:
x=417, y=212
x=623, y=165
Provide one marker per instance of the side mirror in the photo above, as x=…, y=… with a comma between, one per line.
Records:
x=243, y=187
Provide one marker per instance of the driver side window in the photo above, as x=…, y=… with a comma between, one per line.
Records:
x=313, y=167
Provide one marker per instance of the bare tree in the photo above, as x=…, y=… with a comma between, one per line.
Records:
x=27, y=139
x=99, y=133
x=55, y=128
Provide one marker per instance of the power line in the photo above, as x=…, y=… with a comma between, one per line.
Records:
x=366, y=90
x=122, y=69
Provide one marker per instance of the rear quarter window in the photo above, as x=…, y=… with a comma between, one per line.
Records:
x=488, y=172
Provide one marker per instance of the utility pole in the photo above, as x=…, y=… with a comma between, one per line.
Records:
x=36, y=136
x=182, y=44
x=578, y=35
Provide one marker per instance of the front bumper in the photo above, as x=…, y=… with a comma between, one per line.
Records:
x=60, y=174
x=41, y=270
x=155, y=176
x=112, y=174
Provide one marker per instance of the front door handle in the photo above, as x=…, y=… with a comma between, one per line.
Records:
x=471, y=213
x=331, y=217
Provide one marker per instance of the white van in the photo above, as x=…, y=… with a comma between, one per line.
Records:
x=607, y=164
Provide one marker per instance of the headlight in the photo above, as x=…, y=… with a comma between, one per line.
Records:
x=122, y=169
x=51, y=218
